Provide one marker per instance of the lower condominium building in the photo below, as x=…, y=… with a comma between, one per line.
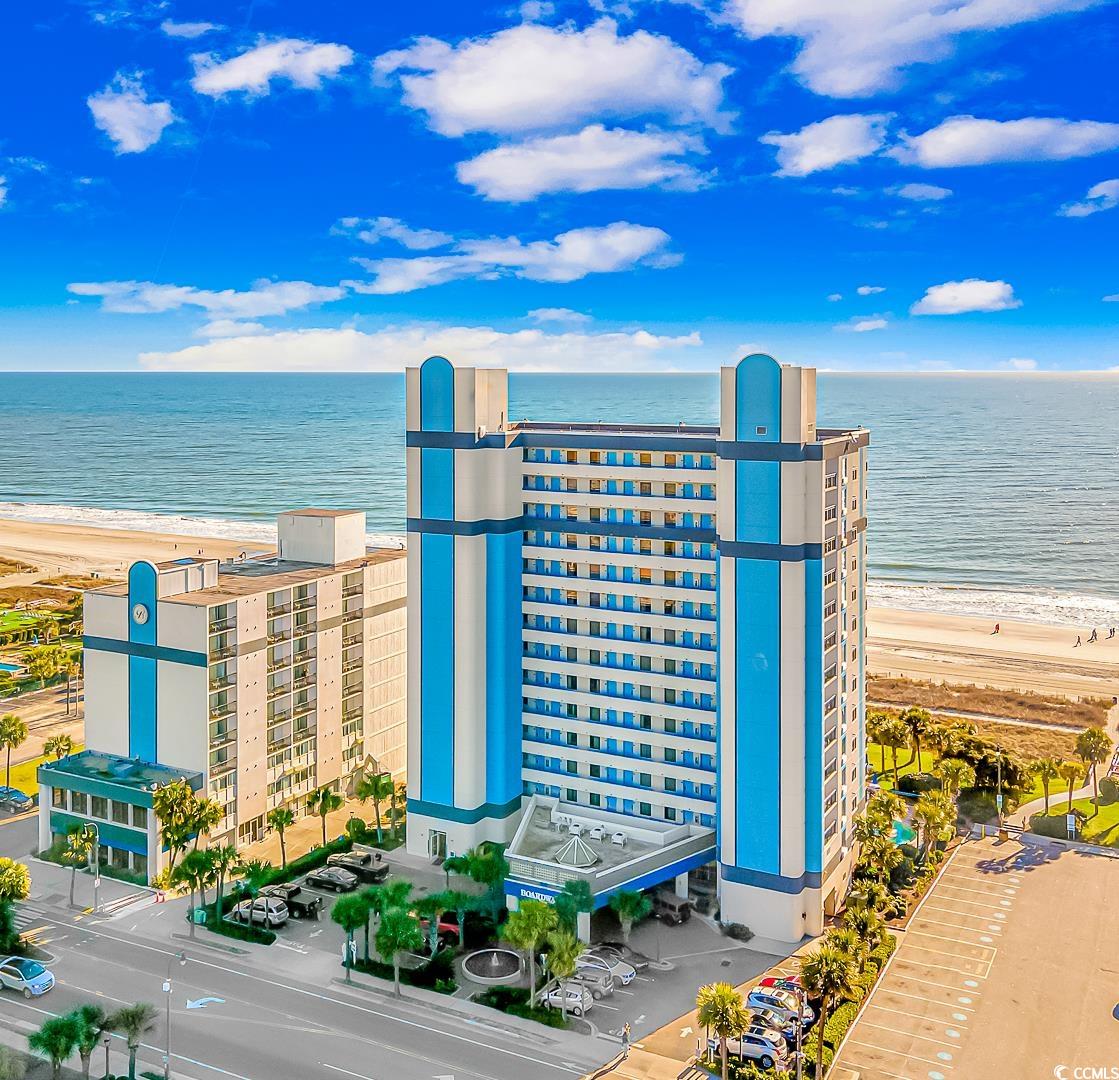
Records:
x=260, y=680
x=636, y=651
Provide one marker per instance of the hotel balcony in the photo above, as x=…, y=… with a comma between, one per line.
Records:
x=278, y=691
x=276, y=636
x=302, y=710
x=220, y=768
x=219, y=626
x=303, y=603
x=303, y=681
x=224, y=652
x=278, y=610
x=353, y=590
x=352, y=665
x=220, y=712
x=279, y=665
x=220, y=682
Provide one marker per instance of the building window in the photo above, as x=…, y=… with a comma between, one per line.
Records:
x=669, y=754
x=669, y=725
x=670, y=783
x=645, y=459
x=572, y=569
x=595, y=685
x=646, y=750
x=120, y=812
x=572, y=457
x=670, y=461
x=645, y=488
x=644, y=809
x=596, y=514
x=571, y=795
x=572, y=739
x=99, y=807
x=595, y=742
x=572, y=682
x=645, y=663
x=573, y=767
x=671, y=519
x=78, y=802
x=595, y=798
x=646, y=517
x=596, y=712
x=646, y=722
x=573, y=626
x=140, y=817
x=596, y=771
x=58, y=798
x=670, y=697
x=670, y=813
x=670, y=490
x=645, y=779
x=596, y=457
x=140, y=865
x=596, y=543
x=570, y=540
x=670, y=547
x=645, y=547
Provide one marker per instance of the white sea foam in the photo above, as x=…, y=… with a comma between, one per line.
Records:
x=1030, y=605
x=260, y=532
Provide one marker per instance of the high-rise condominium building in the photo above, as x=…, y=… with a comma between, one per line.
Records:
x=260, y=680
x=636, y=651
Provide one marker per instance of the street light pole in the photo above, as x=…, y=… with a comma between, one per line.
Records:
x=107, y=1040
x=182, y=958
x=801, y=997
x=96, y=866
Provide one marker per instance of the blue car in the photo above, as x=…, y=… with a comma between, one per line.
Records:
x=15, y=800
x=29, y=977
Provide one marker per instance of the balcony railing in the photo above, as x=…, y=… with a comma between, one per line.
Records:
x=222, y=767
x=304, y=680
x=218, y=626
x=277, y=665
x=278, y=610
x=278, y=635
x=279, y=718
x=222, y=681
x=303, y=603
x=224, y=653
x=352, y=665
x=278, y=691
x=351, y=639
x=353, y=590
x=352, y=714
x=219, y=712
x=303, y=710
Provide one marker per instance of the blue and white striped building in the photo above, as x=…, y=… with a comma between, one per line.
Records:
x=654, y=628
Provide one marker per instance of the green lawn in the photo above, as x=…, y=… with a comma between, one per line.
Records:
x=23, y=774
x=881, y=760
x=1101, y=829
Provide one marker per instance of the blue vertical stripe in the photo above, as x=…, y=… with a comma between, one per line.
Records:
x=813, y=715
x=437, y=395
x=437, y=668
x=503, y=667
x=143, y=588
x=757, y=383
x=437, y=484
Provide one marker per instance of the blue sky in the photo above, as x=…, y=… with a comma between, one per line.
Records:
x=879, y=184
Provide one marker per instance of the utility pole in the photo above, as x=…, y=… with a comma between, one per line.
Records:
x=96, y=853
x=182, y=958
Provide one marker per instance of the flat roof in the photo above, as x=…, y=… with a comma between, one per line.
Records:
x=312, y=511
x=128, y=772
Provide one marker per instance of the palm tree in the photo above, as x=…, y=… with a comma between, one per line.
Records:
x=173, y=805
x=918, y=722
x=71, y=669
x=867, y=924
x=630, y=907
x=574, y=899
x=720, y=1008
x=894, y=735
x=460, y=903
x=133, y=1022
x=13, y=734
x=15, y=879
x=847, y=939
x=563, y=951
x=323, y=802
x=1047, y=770
x=279, y=819
x=59, y=745
x=203, y=816
x=829, y=974
x=486, y=865
x=954, y=774
x=431, y=907
x=79, y=844
x=376, y=789
x=456, y=864
x=526, y=929
x=56, y=1040
x=1093, y=747
x=1069, y=772
x=225, y=861
x=398, y=932
x=90, y=1025
x=195, y=872
x=350, y=912
x=933, y=813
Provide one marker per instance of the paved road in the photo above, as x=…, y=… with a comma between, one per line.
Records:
x=280, y=1017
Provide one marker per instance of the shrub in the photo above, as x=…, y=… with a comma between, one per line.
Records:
x=238, y=931
x=918, y=783
x=838, y=1023
x=809, y=1049
x=737, y=931
x=1109, y=790
x=1051, y=826
x=977, y=804
x=514, y=1001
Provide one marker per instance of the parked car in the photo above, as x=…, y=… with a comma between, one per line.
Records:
x=772, y=1019
x=774, y=982
x=782, y=1002
x=366, y=867
x=672, y=910
x=763, y=1045
x=599, y=983
x=447, y=929
x=269, y=911
x=332, y=877
x=619, y=951
x=29, y=977
x=15, y=800
x=578, y=998
x=301, y=905
x=619, y=969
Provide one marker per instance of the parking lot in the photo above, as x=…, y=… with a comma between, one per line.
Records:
x=1009, y=968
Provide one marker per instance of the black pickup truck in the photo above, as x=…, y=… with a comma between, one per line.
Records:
x=371, y=869
x=301, y=905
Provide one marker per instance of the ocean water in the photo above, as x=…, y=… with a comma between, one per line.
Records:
x=995, y=495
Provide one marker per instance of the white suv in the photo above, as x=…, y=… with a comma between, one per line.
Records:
x=578, y=998
x=764, y=1045
x=608, y=963
x=782, y=1002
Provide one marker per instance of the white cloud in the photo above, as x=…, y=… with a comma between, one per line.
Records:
x=223, y=328
x=1101, y=196
x=570, y=256
x=968, y=140
x=959, y=297
x=535, y=10
x=303, y=63
x=870, y=290
x=3, y=190
x=264, y=298
x=1112, y=299
x=123, y=112
x=1021, y=363
x=837, y=140
x=859, y=49
x=558, y=315
x=374, y=230
x=835, y=296
x=188, y=29
x=594, y=159
x=397, y=347
x=533, y=78
x=863, y=325
x=922, y=192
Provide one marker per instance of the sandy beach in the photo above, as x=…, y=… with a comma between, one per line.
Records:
x=914, y=644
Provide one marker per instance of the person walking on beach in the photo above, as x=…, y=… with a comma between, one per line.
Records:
x=996, y=628
x=1078, y=642
x=1110, y=633
x=1094, y=636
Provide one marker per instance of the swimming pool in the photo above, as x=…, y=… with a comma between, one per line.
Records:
x=10, y=667
x=903, y=833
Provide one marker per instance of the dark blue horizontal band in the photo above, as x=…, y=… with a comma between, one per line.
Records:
x=454, y=440
x=447, y=527
x=737, y=549
x=152, y=652
x=778, y=451
x=594, y=441
x=810, y=879
x=461, y=816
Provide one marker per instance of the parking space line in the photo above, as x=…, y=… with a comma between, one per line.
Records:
x=944, y=937
x=884, y=1072
x=953, y=911
x=899, y=1053
x=943, y=986
x=945, y=967
x=900, y=1012
x=919, y=997
x=612, y=1008
x=974, y=903
x=978, y=892
x=954, y=926
x=912, y=1035
x=955, y=956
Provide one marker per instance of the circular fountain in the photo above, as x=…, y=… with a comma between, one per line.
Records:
x=492, y=967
